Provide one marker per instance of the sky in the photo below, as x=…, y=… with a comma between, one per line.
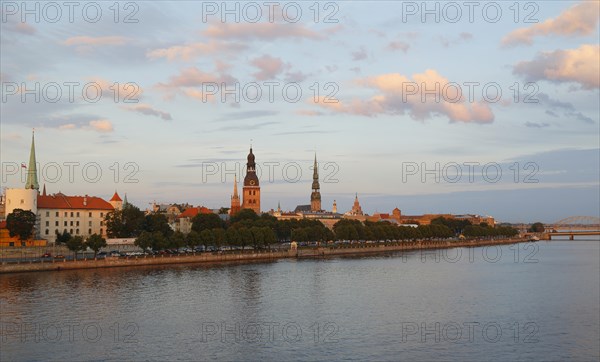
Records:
x=489, y=108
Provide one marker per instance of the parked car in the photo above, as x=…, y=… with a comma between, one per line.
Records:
x=59, y=256
x=46, y=255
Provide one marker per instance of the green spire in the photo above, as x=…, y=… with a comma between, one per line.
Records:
x=315, y=184
x=32, y=180
x=125, y=201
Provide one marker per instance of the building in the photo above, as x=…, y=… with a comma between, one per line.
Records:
x=77, y=215
x=57, y=213
x=184, y=220
x=315, y=196
x=235, y=199
x=251, y=190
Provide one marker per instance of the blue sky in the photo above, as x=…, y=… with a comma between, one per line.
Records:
x=376, y=61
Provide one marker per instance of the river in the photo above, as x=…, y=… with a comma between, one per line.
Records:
x=529, y=301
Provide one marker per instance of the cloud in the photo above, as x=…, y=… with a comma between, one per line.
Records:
x=260, y=31
x=578, y=20
x=148, y=110
x=462, y=38
x=396, y=94
x=14, y=24
x=309, y=113
x=101, y=125
x=100, y=40
x=191, y=51
x=129, y=92
x=192, y=77
x=398, y=45
x=581, y=65
x=247, y=114
x=537, y=125
x=295, y=77
x=269, y=67
x=360, y=54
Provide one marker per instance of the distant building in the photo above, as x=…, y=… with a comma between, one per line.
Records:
x=315, y=196
x=235, y=199
x=251, y=190
x=183, y=222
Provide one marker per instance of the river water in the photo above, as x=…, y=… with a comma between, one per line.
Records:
x=531, y=301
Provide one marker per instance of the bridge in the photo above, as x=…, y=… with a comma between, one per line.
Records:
x=573, y=226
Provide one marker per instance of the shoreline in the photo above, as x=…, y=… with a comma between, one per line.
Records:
x=263, y=255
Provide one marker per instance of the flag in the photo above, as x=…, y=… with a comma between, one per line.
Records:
x=23, y=165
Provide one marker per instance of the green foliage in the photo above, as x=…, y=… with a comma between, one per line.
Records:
x=62, y=238
x=75, y=244
x=95, y=242
x=537, y=227
x=125, y=223
x=20, y=223
x=157, y=222
x=453, y=224
x=202, y=222
x=244, y=214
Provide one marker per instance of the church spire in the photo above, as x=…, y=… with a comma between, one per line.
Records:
x=315, y=196
x=235, y=198
x=235, y=190
x=32, y=180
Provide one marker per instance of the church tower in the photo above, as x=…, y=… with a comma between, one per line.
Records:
x=251, y=190
x=32, y=180
x=235, y=198
x=315, y=196
x=116, y=201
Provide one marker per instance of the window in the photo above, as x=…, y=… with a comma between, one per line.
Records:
x=77, y=213
x=65, y=223
x=101, y=222
x=47, y=213
x=90, y=214
x=57, y=214
x=77, y=232
x=65, y=214
x=71, y=231
x=71, y=223
x=89, y=223
x=101, y=214
x=77, y=223
x=47, y=231
x=71, y=213
x=100, y=231
x=56, y=223
x=22, y=201
x=47, y=223
x=89, y=231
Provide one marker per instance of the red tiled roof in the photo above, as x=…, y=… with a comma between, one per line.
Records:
x=384, y=216
x=116, y=197
x=62, y=201
x=193, y=211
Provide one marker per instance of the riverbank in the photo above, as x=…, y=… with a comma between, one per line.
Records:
x=263, y=255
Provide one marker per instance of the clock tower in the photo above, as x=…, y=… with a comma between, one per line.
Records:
x=251, y=190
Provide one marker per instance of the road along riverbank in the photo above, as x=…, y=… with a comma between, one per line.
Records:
x=259, y=255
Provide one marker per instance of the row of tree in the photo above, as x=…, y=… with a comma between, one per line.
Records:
x=77, y=243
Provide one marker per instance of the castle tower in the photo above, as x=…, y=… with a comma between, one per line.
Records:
x=26, y=198
x=32, y=179
x=315, y=196
x=251, y=190
x=334, y=208
x=116, y=201
x=235, y=199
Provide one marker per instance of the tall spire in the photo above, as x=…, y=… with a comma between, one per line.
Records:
x=315, y=196
x=32, y=180
x=125, y=200
x=235, y=190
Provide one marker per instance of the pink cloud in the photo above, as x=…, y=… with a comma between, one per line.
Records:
x=101, y=40
x=148, y=110
x=421, y=97
x=581, y=65
x=580, y=19
x=128, y=92
x=194, y=50
x=268, y=66
x=101, y=125
x=261, y=31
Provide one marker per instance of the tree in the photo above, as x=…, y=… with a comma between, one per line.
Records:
x=202, y=222
x=144, y=240
x=192, y=239
x=178, y=239
x=244, y=214
x=125, y=223
x=537, y=227
x=75, y=244
x=20, y=223
x=95, y=242
x=62, y=238
x=207, y=237
x=157, y=222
